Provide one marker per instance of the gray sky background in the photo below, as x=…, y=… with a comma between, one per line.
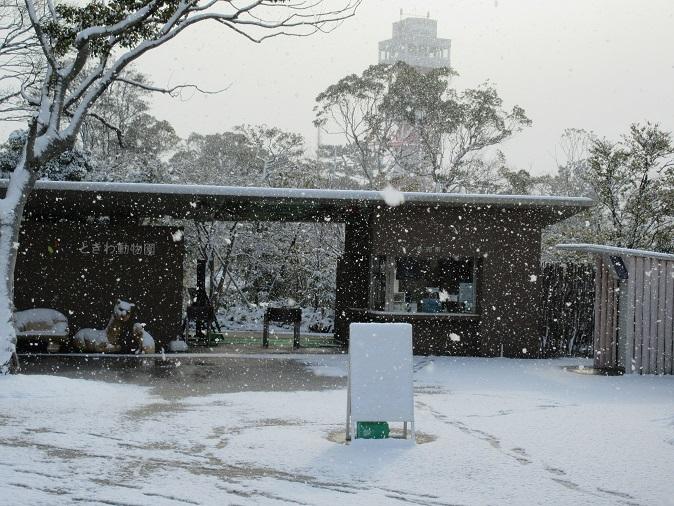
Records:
x=593, y=64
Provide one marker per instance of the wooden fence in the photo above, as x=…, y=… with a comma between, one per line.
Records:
x=647, y=320
x=567, y=293
x=634, y=309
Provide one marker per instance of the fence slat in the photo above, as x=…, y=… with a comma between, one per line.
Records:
x=639, y=315
x=669, y=316
x=653, y=319
x=646, y=321
x=628, y=316
x=660, y=322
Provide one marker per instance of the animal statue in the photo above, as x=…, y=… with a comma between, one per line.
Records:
x=108, y=340
x=143, y=341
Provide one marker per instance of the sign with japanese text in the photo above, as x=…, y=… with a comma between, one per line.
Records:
x=117, y=248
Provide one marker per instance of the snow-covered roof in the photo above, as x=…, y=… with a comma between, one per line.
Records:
x=614, y=251
x=236, y=202
x=316, y=194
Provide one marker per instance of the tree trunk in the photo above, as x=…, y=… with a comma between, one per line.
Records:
x=21, y=182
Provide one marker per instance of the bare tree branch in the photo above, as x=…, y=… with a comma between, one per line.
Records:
x=169, y=91
x=110, y=126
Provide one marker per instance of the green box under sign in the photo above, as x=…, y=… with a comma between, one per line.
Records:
x=372, y=430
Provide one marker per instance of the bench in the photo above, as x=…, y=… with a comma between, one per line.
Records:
x=40, y=325
x=288, y=315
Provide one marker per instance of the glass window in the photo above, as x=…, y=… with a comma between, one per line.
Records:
x=425, y=285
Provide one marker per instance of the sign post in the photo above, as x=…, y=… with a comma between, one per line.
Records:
x=380, y=375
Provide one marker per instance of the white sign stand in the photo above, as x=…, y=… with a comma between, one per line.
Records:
x=380, y=375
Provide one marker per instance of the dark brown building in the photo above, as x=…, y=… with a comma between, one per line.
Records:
x=461, y=268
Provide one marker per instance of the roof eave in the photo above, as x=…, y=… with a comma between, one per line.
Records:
x=599, y=249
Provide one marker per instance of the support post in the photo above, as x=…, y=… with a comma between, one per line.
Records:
x=265, y=332
x=347, y=433
x=296, y=336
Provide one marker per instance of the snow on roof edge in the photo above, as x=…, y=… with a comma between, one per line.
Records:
x=318, y=194
x=602, y=249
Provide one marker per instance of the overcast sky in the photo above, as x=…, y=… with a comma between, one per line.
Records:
x=593, y=64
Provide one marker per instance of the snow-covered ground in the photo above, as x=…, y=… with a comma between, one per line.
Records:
x=491, y=431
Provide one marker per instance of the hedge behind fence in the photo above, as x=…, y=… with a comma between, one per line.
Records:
x=568, y=309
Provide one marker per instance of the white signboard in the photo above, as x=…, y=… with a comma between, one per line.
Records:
x=380, y=374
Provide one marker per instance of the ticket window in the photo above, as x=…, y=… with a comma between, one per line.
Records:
x=426, y=285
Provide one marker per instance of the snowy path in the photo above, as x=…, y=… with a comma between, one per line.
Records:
x=494, y=431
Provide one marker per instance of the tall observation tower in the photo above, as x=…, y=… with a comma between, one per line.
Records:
x=415, y=41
